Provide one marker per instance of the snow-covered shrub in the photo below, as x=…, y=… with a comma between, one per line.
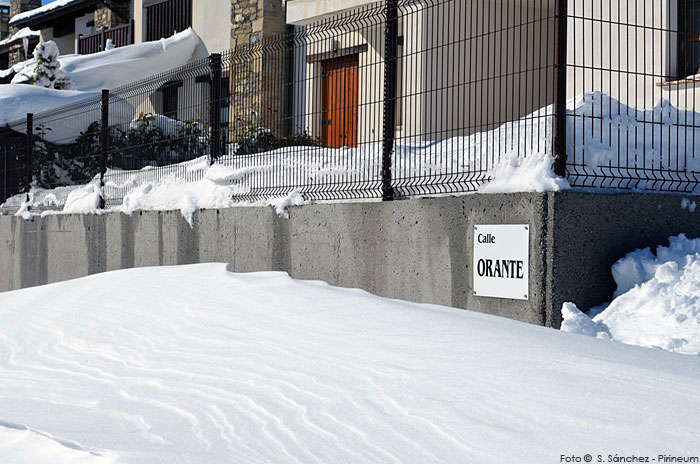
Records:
x=260, y=139
x=48, y=72
x=156, y=140
x=143, y=143
x=75, y=163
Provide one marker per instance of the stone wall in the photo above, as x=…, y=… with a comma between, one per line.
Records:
x=258, y=66
x=20, y=6
x=17, y=7
x=4, y=27
x=106, y=18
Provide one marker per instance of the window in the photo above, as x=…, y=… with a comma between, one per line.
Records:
x=689, y=37
x=169, y=103
x=64, y=28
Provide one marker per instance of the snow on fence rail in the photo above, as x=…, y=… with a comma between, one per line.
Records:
x=381, y=111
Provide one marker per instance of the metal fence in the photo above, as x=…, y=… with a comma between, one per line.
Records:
x=397, y=99
x=632, y=65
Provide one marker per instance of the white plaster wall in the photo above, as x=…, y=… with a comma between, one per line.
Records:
x=81, y=27
x=467, y=67
x=302, y=12
x=630, y=62
x=139, y=23
x=211, y=19
x=66, y=44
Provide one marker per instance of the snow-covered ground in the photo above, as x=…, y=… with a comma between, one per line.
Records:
x=657, y=301
x=195, y=364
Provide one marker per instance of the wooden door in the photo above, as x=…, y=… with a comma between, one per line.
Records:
x=340, y=101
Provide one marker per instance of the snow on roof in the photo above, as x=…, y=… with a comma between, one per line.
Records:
x=4, y=2
x=41, y=10
x=25, y=33
x=90, y=74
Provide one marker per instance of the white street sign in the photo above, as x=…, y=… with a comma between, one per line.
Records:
x=502, y=261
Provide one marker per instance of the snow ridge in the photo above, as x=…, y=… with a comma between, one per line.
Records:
x=201, y=365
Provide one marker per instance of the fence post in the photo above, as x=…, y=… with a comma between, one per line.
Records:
x=559, y=129
x=103, y=44
x=215, y=107
x=29, y=154
x=289, y=85
x=104, y=142
x=391, y=36
x=4, y=175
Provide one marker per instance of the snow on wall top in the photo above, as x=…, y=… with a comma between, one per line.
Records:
x=39, y=11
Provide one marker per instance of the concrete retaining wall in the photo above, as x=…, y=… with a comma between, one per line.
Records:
x=418, y=250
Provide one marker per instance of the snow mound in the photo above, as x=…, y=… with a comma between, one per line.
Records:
x=533, y=173
x=19, y=444
x=90, y=74
x=172, y=193
x=194, y=364
x=606, y=137
x=218, y=189
x=85, y=200
x=657, y=301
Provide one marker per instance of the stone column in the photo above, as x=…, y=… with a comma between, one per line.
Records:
x=258, y=70
x=17, y=7
x=106, y=18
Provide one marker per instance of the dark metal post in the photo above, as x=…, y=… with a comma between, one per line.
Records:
x=289, y=85
x=103, y=43
x=215, y=107
x=29, y=154
x=559, y=132
x=391, y=45
x=104, y=142
x=4, y=175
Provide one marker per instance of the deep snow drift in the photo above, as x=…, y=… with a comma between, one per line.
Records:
x=657, y=301
x=198, y=365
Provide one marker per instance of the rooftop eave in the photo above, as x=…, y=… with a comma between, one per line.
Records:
x=47, y=19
